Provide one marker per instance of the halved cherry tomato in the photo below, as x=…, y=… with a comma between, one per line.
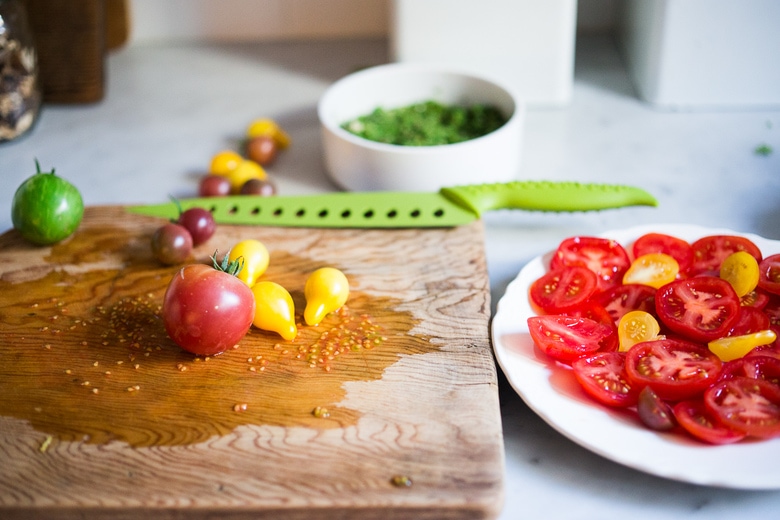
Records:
x=603, y=377
x=751, y=406
x=566, y=338
x=755, y=366
x=702, y=308
x=677, y=248
x=694, y=417
x=750, y=320
x=757, y=299
x=709, y=252
x=769, y=274
x=635, y=327
x=563, y=288
x=628, y=297
x=653, y=269
x=675, y=369
x=654, y=412
x=605, y=257
x=740, y=269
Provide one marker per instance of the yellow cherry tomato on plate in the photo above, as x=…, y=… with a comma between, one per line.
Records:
x=245, y=171
x=635, y=327
x=225, y=162
x=274, y=309
x=740, y=269
x=326, y=290
x=735, y=347
x=256, y=260
x=269, y=128
x=653, y=269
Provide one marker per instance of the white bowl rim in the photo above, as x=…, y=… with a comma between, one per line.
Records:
x=518, y=107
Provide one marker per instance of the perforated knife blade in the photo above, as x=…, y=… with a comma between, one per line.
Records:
x=452, y=206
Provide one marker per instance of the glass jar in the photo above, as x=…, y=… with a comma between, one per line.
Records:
x=20, y=90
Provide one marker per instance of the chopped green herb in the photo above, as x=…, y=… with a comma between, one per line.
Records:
x=427, y=124
x=764, y=150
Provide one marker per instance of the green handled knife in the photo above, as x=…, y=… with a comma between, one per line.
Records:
x=449, y=207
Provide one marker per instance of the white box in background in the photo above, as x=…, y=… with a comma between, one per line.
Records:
x=688, y=54
x=526, y=44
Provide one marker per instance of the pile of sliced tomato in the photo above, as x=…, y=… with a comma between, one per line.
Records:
x=684, y=333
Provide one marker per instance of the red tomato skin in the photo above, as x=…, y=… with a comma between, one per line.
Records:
x=750, y=320
x=627, y=297
x=206, y=311
x=710, y=251
x=686, y=369
x=566, y=338
x=606, y=258
x=678, y=304
x=561, y=289
x=603, y=377
x=755, y=365
x=677, y=248
x=748, y=405
x=769, y=274
x=694, y=418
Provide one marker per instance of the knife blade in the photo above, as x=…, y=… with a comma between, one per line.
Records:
x=449, y=207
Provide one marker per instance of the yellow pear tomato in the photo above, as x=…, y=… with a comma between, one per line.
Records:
x=274, y=309
x=653, y=269
x=635, y=327
x=256, y=260
x=225, y=162
x=735, y=347
x=326, y=290
x=740, y=269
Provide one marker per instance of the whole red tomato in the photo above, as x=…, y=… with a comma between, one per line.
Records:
x=207, y=310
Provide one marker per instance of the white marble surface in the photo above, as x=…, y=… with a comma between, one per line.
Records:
x=169, y=108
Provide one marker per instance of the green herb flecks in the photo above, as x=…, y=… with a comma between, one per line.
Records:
x=427, y=124
x=763, y=149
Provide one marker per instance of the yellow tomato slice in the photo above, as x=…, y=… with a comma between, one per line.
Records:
x=635, y=327
x=735, y=347
x=653, y=269
x=740, y=269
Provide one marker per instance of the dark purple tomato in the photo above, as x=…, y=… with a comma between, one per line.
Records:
x=654, y=412
x=214, y=186
x=199, y=222
x=171, y=244
x=262, y=187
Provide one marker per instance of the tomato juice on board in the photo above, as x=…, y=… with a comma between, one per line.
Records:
x=702, y=336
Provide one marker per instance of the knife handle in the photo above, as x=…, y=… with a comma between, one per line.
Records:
x=547, y=196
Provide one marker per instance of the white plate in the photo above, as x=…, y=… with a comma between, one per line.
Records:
x=557, y=398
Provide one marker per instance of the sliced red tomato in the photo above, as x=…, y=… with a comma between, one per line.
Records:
x=566, y=338
x=757, y=299
x=702, y=308
x=694, y=417
x=751, y=406
x=603, y=377
x=563, y=288
x=625, y=298
x=769, y=274
x=754, y=366
x=605, y=257
x=750, y=320
x=675, y=369
x=677, y=248
x=772, y=310
x=709, y=252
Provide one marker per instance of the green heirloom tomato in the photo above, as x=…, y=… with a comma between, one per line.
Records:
x=46, y=208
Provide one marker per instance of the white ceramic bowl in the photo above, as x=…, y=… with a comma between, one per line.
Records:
x=358, y=164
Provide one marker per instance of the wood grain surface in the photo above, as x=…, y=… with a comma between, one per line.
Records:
x=102, y=416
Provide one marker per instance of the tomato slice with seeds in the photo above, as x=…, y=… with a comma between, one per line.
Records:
x=751, y=406
x=754, y=366
x=675, y=369
x=694, y=418
x=769, y=274
x=607, y=258
x=750, y=320
x=603, y=377
x=626, y=298
x=566, y=338
x=564, y=288
x=702, y=308
x=653, y=269
x=675, y=247
x=709, y=252
x=757, y=298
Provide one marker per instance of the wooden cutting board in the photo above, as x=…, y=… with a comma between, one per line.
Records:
x=388, y=409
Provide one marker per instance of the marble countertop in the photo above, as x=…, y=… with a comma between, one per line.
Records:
x=169, y=108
